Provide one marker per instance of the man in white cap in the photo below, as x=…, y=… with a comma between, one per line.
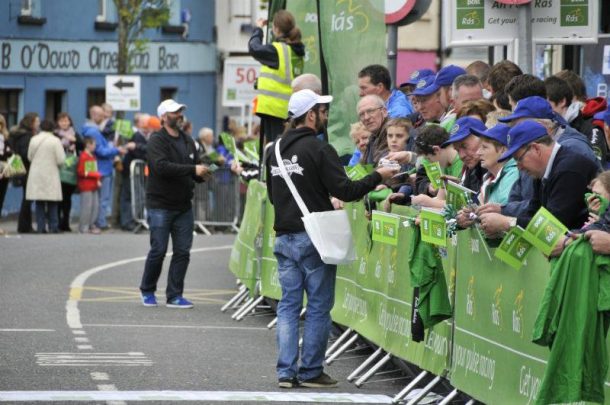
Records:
x=174, y=166
x=314, y=167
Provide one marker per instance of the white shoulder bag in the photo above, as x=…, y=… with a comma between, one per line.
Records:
x=329, y=231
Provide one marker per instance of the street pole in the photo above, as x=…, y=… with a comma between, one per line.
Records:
x=392, y=46
x=525, y=48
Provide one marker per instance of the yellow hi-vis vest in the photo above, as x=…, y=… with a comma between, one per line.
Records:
x=274, y=84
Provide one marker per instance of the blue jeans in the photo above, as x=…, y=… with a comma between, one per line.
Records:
x=105, y=202
x=300, y=270
x=163, y=223
x=47, y=210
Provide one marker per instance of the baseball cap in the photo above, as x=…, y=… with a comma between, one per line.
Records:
x=499, y=133
x=463, y=128
x=169, y=105
x=447, y=75
x=425, y=86
x=520, y=135
x=303, y=101
x=416, y=75
x=531, y=107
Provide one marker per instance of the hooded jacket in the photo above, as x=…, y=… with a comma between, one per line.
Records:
x=104, y=150
x=314, y=167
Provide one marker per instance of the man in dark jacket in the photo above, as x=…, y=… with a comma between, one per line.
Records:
x=561, y=177
x=314, y=168
x=174, y=166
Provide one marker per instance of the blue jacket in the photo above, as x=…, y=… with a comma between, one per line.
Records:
x=579, y=143
x=520, y=196
x=104, y=150
x=398, y=105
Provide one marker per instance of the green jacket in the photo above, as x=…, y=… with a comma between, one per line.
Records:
x=573, y=321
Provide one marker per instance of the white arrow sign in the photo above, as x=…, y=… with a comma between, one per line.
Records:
x=123, y=92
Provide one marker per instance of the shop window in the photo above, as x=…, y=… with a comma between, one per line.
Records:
x=31, y=13
x=168, y=92
x=9, y=106
x=95, y=97
x=55, y=102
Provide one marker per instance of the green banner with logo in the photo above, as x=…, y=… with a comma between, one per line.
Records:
x=345, y=25
x=270, y=283
x=305, y=13
x=244, y=260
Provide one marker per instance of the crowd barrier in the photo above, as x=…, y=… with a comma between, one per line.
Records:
x=216, y=202
x=484, y=350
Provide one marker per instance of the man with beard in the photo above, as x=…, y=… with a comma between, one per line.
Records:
x=174, y=164
x=316, y=172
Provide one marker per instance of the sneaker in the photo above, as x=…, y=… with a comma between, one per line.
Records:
x=287, y=382
x=179, y=302
x=95, y=231
x=149, y=300
x=321, y=381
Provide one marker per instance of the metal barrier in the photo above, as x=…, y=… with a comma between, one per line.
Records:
x=216, y=202
x=138, y=172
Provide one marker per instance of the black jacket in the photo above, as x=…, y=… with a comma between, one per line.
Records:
x=138, y=153
x=564, y=190
x=317, y=174
x=19, y=141
x=267, y=54
x=170, y=183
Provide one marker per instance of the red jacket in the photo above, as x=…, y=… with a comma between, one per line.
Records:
x=87, y=181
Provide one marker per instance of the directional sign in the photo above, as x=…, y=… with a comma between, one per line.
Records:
x=123, y=92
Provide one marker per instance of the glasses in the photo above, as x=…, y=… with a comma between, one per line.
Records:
x=363, y=114
x=520, y=158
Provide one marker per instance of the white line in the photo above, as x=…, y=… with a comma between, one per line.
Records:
x=72, y=311
x=81, y=340
x=79, y=332
x=84, y=347
x=106, y=387
x=174, y=396
x=27, y=330
x=106, y=325
x=96, y=376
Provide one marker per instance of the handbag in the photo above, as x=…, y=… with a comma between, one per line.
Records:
x=67, y=171
x=14, y=169
x=329, y=231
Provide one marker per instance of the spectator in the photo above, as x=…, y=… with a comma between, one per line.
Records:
x=428, y=103
x=307, y=81
x=523, y=86
x=376, y=80
x=73, y=144
x=88, y=185
x=360, y=136
x=282, y=61
x=479, y=108
x=19, y=141
x=481, y=70
x=373, y=115
x=206, y=148
x=5, y=153
x=500, y=74
x=44, y=186
x=465, y=88
x=174, y=165
x=135, y=149
x=415, y=76
x=107, y=124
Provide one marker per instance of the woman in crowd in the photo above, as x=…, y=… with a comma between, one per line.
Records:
x=73, y=145
x=19, y=141
x=44, y=186
x=5, y=153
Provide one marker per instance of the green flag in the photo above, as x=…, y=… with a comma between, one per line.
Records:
x=385, y=227
x=433, y=227
x=229, y=142
x=90, y=166
x=358, y=171
x=457, y=195
x=544, y=231
x=124, y=128
x=514, y=248
x=251, y=149
x=434, y=173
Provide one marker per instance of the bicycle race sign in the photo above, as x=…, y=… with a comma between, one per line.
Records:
x=486, y=23
x=238, y=81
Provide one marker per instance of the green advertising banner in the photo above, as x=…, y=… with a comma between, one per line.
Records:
x=305, y=13
x=244, y=260
x=346, y=25
x=270, y=283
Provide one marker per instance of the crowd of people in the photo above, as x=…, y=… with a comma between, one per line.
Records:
x=61, y=159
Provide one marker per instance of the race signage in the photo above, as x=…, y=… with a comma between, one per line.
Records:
x=238, y=81
x=123, y=92
x=483, y=22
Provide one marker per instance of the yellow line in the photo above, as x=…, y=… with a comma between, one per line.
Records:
x=76, y=293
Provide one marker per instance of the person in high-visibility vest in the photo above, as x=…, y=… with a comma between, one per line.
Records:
x=282, y=61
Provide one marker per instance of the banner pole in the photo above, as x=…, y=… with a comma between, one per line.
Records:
x=398, y=398
x=364, y=365
x=373, y=370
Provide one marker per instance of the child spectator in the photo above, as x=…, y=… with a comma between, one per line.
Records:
x=597, y=201
x=360, y=136
x=89, y=182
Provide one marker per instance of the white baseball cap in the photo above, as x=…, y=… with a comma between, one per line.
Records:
x=169, y=105
x=303, y=101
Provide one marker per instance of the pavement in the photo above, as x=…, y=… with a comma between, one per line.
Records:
x=72, y=329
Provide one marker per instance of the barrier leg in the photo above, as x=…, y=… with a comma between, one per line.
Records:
x=244, y=305
x=449, y=397
x=471, y=402
x=271, y=324
x=343, y=348
x=364, y=365
x=409, y=387
x=250, y=307
x=339, y=340
x=240, y=293
x=373, y=370
x=202, y=228
x=425, y=391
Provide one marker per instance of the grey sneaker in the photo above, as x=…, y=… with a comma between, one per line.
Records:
x=288, y=382
x=321, y=381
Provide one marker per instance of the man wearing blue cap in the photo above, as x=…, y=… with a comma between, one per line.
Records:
x=408, y=86
x=539, y=108
x=376, y=79
x=560, y=175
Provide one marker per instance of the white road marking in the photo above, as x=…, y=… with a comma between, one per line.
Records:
x=97, y=376
x=27, y=330
x=106, y=387
x=93, y=359
x=174, y=396
x=79, y=332
x=108, y=325
x=84, y=347
x=81, y=340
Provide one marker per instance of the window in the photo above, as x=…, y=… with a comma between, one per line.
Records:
x=26, y=7
x=9, y=106
x=168, y=92
x=95, y=97
x=30, y=13
x=174, y=12
x=54, y=103
x=101, y=10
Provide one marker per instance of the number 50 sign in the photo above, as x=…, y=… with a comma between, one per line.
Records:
x=238, y=81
